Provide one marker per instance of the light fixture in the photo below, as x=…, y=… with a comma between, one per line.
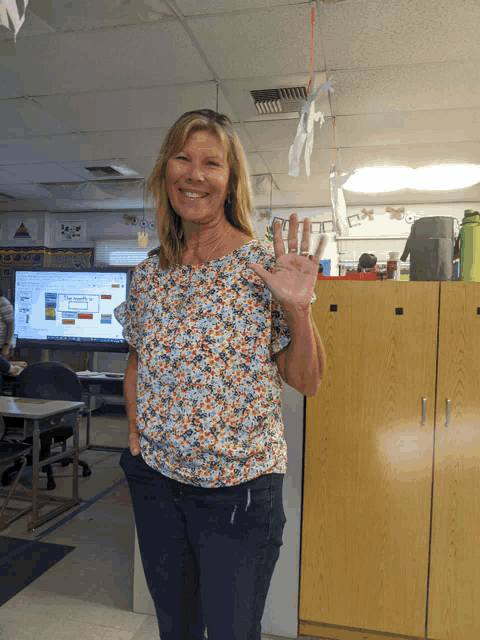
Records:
x=445, y=177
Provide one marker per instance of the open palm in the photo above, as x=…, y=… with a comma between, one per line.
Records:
x=293, y=277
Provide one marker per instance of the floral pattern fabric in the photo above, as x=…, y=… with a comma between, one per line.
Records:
x=209, y=408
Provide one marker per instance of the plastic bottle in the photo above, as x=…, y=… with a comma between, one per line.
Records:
x=392, y=266
x=469, y=243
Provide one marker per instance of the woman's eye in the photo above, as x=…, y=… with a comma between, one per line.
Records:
x=184, y=158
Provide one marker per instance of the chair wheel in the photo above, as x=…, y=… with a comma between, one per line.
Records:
x=86, y=473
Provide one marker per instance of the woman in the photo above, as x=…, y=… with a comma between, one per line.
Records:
x=213, y=318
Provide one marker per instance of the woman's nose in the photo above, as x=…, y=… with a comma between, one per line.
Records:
x=194, y=171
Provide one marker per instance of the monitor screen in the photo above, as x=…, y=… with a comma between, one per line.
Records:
x=72, y=310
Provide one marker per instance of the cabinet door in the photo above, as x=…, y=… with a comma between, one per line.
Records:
x=368, y=458
x=454, y=598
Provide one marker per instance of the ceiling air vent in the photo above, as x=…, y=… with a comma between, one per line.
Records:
x=285, y=100
x=103, y=172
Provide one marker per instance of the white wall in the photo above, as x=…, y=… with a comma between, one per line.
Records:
x=44, y=226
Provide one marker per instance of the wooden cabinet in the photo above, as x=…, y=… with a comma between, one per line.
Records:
x=391, y=495
x=454, y=593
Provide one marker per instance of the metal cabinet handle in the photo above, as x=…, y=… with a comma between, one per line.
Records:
x=424, y=411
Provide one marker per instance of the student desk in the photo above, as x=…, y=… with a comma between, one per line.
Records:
x=40, y=416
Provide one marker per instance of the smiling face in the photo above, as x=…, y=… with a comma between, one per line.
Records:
x=201, y=170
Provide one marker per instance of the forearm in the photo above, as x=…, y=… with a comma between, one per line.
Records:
x=130, y=393
x=305, y=355
x=9, y=332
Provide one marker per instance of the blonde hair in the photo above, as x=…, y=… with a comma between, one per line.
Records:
x=237, y=211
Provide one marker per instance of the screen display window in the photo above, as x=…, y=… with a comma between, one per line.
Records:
x=68, y=306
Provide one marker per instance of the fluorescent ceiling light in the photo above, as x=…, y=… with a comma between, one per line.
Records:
x=446, y=177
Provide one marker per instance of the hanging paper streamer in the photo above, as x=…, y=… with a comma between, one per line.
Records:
x=304, y=134
x=339, y=207
x=9, y=14
x=307, y=118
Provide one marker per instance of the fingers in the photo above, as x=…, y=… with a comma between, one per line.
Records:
x=321, y=247
x=278, y=240
x=293, y=238
x=305, y=236
x=293, y=233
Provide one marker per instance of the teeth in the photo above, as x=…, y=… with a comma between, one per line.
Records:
x=191, y=195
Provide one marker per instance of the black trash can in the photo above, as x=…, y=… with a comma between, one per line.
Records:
x=430, y=246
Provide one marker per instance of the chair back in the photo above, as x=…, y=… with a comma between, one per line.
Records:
x=48, y=381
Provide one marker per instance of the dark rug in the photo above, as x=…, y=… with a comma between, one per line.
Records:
x=23, y=561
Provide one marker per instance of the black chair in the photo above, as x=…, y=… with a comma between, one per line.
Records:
x=49, y=381
x=12, y=452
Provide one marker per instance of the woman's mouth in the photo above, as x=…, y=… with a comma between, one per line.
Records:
x=192, y=195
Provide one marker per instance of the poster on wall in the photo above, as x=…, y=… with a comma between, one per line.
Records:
x=26, y=229
x=68, y=230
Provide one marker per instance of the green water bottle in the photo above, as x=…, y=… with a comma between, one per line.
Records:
x=469, y=244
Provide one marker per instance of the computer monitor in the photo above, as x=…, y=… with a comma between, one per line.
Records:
x=70, y=309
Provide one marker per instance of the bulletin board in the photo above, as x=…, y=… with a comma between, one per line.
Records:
x=35, y=257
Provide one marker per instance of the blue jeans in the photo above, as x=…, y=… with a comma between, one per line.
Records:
x=208, y=554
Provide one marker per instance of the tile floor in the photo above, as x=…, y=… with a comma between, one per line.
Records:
x=89, y=594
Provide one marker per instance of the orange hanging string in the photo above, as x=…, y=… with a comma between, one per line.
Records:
x=334, y=150
x=312, y=21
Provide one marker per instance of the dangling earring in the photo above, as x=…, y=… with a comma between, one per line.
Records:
x=228, y=201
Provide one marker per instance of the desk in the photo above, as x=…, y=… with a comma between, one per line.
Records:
x=40, y=416
x=95, y=384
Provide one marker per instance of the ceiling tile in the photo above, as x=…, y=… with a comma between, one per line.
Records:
x=320, y=161
x=419, y=87
x=144, y=166
x=193, y=7
x=256, y=164
x=91, y=14
x=79, y=169
x=271, y=42
x=122, y=144
x=272, y=136
x=24, y=119
x=62, y=148
x=44, y=172
x=159, y=53
x=304, y=191
x=32, y=26
x=9, y=178
x=24, y=190
x=412, y=127
x=132, y=108
x=390, y=33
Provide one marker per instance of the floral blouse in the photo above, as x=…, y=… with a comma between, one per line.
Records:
x=209, y=406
